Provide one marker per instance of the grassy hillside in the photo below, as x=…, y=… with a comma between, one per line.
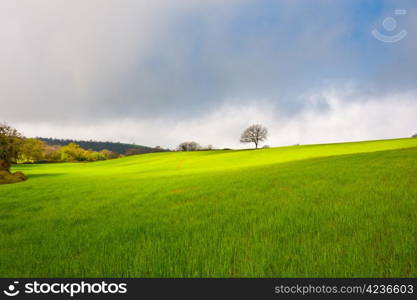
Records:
x=319, y=210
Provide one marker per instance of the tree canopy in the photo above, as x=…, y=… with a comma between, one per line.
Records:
x=254, y=134
x=189, y=146
x=10, y=146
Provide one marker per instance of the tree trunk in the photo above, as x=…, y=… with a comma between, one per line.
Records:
x=5, y=166
x=6, y=176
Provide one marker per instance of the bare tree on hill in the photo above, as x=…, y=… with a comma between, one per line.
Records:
x=254, y=134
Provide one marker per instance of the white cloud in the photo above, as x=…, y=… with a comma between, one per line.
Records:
x=161, y=72
x=362, y=119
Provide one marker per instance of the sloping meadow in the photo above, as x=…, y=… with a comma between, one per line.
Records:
x=335, y=210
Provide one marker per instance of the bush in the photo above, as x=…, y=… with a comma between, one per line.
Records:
x=189, y=146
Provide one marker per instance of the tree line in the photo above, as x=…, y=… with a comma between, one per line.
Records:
x=15, y=148
x=119, y=148
x=253, y=134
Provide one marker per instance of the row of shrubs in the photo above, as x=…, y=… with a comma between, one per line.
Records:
x=36, y=151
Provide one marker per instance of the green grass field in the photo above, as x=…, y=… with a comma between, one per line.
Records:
x=335, y=210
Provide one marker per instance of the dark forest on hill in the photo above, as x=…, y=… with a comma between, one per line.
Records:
x=120, y=148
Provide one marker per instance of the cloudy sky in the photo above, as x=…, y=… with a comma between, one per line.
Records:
x=165, y=71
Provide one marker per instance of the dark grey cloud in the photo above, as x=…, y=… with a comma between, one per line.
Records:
x=78, y=66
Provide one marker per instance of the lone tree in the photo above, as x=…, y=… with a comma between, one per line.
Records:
x=11, y=142
x=414, y=135
x=254, y=134
x=189, y=146
x=10, y=150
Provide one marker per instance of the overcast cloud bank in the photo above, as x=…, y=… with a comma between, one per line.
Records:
x=161, y=72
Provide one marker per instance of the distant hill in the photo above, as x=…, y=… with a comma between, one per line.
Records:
x=120, y=148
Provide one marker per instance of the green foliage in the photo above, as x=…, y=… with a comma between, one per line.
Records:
x=73, y=152
x=107, y=154
x=335, y=210
x=51, y=153
x=10, y=146
x=118, y=148
x=32, y=150
x=14, y=148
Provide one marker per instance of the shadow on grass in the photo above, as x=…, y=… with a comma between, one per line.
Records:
x=51, y=175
